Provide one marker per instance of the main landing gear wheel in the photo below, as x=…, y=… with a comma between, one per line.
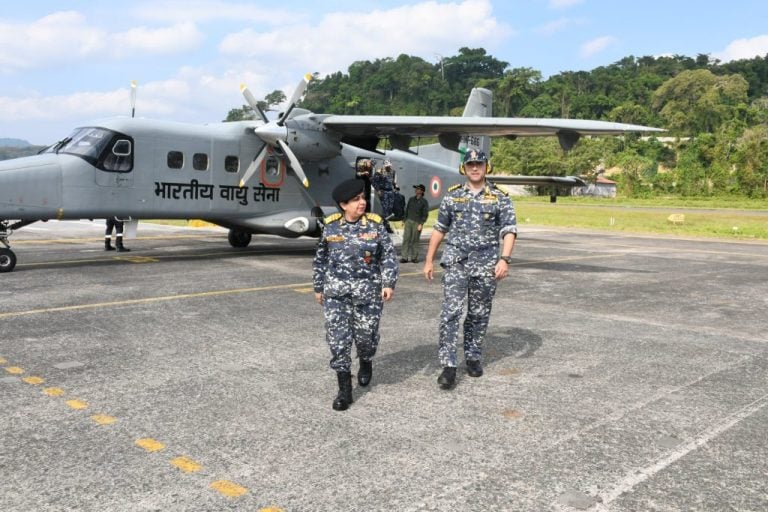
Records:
x=239, y=238
x=7, y=260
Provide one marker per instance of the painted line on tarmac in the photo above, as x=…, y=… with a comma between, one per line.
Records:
x=185, y=464
x=639, y=475
x=55, y=241
x=165, y=256
x=184, y=296
x=150, y=300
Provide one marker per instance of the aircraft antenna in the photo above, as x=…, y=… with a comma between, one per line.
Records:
x=133, y=98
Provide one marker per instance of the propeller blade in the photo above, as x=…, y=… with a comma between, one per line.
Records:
x=255, y=164
x=295, y=165
x=251, y=99
x=297, y=94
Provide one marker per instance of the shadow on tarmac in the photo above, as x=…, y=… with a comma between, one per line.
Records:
x=499, y=344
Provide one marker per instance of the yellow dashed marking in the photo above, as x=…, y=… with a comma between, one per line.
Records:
x=304, y=290
x=149, y=445
x=103, y=419
x=271, y=509
x=228, y=488
x=33, y=380
x=512, y=414
x=53, y=391
x=509, y=372
x=15, y=370
x=137, y=259
x=150, y=300
x=2, y=361
x=186, y=464
x=77, y=404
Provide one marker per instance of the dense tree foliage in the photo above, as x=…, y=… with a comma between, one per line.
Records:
x=716, y=114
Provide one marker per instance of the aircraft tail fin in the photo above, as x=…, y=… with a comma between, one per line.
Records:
x=450, y=152
x=479, y=104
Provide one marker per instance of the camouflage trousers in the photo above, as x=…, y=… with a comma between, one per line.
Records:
x=479, y=292
x=349, y=322
x=387, y=199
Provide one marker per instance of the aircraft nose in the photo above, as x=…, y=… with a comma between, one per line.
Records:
x=30, y=186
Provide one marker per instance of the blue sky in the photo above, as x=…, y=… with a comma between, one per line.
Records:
x=65, y=64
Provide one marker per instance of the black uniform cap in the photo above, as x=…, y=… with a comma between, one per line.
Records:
x=347, y=189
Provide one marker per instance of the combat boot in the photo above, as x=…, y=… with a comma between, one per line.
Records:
x=120, y=246
x=344, y=398
x=448, y=378
x=365, y=373
x=474, y=368
x=108, y=245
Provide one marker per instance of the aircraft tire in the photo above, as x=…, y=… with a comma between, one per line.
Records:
x=239, y=238
x=7, y=260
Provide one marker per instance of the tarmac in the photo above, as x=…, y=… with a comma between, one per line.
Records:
x=622, y=373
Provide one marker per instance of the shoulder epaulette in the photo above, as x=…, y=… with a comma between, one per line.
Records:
x=332, y=218
x=501, y=191
x=374, y=217
x=454, y=187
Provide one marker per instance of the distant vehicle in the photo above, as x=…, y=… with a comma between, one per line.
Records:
x=260, y=176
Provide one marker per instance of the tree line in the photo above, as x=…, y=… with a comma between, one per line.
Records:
x=716, y=114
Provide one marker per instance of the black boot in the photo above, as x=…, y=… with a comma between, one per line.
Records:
x=365, y=373
x=474, y=368
x=344, y=398
x=108, y=245
x=448, y=378
x=120, y=246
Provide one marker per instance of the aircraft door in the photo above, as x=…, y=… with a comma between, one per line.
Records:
x=115, y=164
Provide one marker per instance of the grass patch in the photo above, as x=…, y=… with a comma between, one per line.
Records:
x=734, y=218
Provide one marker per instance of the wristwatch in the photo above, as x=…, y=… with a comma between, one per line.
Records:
x=507, y=259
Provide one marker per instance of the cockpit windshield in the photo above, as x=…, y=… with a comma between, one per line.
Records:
x=106, y=149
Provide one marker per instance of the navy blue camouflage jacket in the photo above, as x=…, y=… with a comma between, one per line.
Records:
x=474, y=225
x=354, y=258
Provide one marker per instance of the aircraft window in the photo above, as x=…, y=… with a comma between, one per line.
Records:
x=231, y=164
x=175, y=159
x=200, y=161
x=120, y=158
x=87, y=143
x=122, y=148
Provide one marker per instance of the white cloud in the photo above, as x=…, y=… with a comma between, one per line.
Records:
x=744, y=49
x=563, y=4
x=62, y=37
x=339, y=39
x=177, y=38
x=595, y=46
x=558, y=25
x=66, y=37
x=213, y=10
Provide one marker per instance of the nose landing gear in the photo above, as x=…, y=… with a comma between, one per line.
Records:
x=7, y=256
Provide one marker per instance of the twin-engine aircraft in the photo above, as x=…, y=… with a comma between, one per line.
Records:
x=262, y=176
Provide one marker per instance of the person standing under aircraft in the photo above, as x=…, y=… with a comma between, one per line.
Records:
x=364, y=171
x=474, y=216
x=117, y=225
x=416, y=213
x=354, y=271
x=384, y=183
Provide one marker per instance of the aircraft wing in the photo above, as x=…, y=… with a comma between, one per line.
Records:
x=570, y=181
x=430, y=126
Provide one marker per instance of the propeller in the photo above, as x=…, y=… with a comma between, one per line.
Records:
x=275, y=133
x=251, y=99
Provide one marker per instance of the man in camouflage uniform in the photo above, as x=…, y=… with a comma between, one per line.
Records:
x=474, y=216
x=354, y=271
x=384, y=183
